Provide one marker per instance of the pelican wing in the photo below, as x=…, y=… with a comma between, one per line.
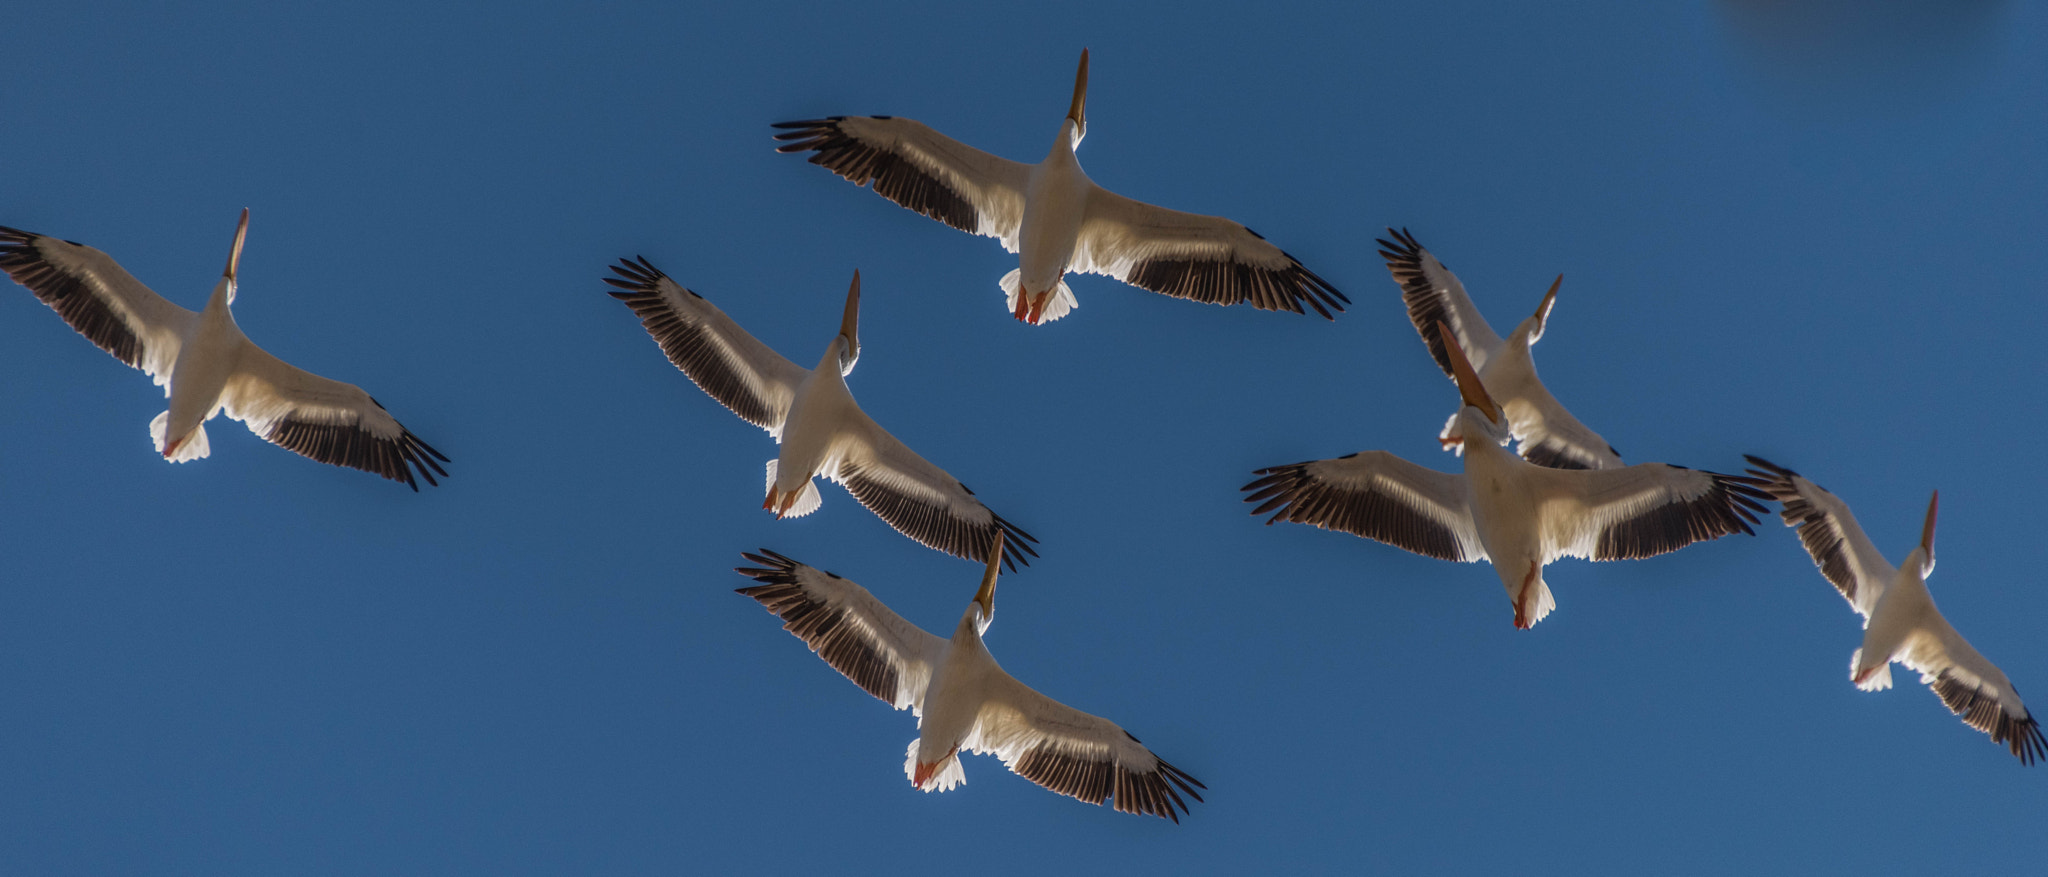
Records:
x=323, y=419
x=1546, y=433
x=864, y=640
x=1433, y=293
x=739, y=371
x=919, y=168
x=1639, y=511
x=1074, y=753
x=1187, y=255
x=101, y=300
x=1972, y=687
x=1376, y=495
x=1846, y=557
x=917, y=498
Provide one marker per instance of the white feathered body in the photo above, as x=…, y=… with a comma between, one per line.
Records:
x=807, y=439
x=1503, y=506
x=953, y=701
x=206, y=359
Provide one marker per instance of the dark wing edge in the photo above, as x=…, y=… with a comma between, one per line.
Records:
x=1729, y=506
x=1552, y=453
x=932, y=526
x=687, y=343
x=894, y=177
x=68, y=295
x=1294, y=495
x=1981, y=710
x=1229, y=282
x=1818, y=530
x=353, y=446
x=1425, y=306
x=1097, y=777
x=820, y=626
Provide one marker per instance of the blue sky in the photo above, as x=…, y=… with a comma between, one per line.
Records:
x=1812, y=239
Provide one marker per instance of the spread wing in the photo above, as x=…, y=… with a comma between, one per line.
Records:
x=919, y=168
x=1376, y=495
x=1433, y=293
x=1972, y=687
x=1187, y=255
x=1074, y=753
x=739, y=371
x=1846, y=557
x=1639, y=511
x=864, y=640
x=1546, y=434
x=324, y=419
x=101, y=300
x=917, y=498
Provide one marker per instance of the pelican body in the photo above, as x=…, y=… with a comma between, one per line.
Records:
x=1504, y=509
x=813, y=417
x=1056, y=219
x=206, y=364
x=961, y=696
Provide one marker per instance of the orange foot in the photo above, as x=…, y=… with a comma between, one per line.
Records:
x=1023, y=304
x=925, y=771
x=1525, y=606
x=171, y=447
x=1865, y=675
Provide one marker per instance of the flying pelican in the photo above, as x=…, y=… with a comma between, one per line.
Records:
x=1899, y=619
x=962, y=698
x=1518, y=515
x=1549, y=435
x=206, y=365
x=812, y=416
x=1058, y=220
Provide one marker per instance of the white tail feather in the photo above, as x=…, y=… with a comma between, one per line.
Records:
x=1544, y=603
x=948, y=776
x=807, y=498
x=1062, y=298
x=194, y=448
x=1878, y=681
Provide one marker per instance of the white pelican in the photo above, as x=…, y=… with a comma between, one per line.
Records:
x=1057, y=220
x=1549, y=435
x=206, y=365
x=1518, y=515
x=1899, y=619
x=812, y=416
x=962, y=698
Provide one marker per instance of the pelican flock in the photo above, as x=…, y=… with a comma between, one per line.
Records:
x=1563, y=492
x=206, y=365
x=1057, y=220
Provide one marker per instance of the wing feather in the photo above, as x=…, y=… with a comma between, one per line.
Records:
x=325, y=420
x=919, y=499
x=1076, y=754
x=732, y=366
x=1640, y=511
x=1433, y=293
x=100, y=299
x=1834, y=540
x=1202, y=258
x=1972, y=687
x=919, y=168
x=845, y=625
x=1376, y=495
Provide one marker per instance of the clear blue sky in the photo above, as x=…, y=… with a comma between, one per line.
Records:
x=1818, y=243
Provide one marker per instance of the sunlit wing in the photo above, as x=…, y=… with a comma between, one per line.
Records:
x=1074, y=753
x=98, y=298
x=917, y=498
x=732, y=366
x=1376, y=495
x=1639, y=511
x=919, y=168
x=323, y=419
x=1186, y=255
x=852, y=631
x=1434, y=294
x=1546, y=434
x=1846, y=557
x=1972, y=687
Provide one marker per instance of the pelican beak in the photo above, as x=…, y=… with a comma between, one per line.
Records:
x=1549, y=299
x=235, y=255
x=1078, y=112
x=987, y=595
x=1927, y=531
x=849, y=325
x=1468, y=380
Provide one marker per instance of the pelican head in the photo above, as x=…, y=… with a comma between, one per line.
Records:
x=1542, y=316
x=984, y=607
x=849, y=328
x=1078, y=112
x=227, y=284
x=1927, y=537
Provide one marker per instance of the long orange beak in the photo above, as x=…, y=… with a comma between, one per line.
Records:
x=849, y=324
x=987, y=595
x=1469, y=387
x=1927, y=530
x=1549, y=299
x=235, y=255
x=1078, y=111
